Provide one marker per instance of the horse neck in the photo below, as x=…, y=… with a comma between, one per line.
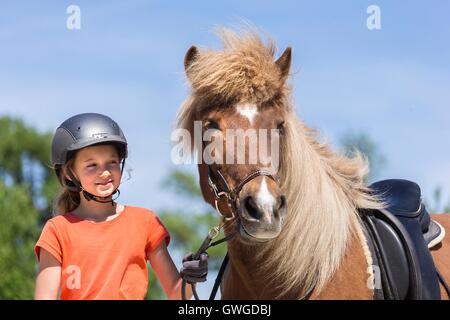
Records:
x=238, y=281
x=244, y=278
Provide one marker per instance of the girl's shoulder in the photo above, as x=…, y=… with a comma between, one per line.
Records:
x=62, y=218
x=140, y=213
x=143, y=217
x=62, y=221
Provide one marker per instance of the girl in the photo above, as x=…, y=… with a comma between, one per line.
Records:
x=95, y=248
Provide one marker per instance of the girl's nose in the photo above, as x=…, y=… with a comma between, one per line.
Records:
x=105, y=174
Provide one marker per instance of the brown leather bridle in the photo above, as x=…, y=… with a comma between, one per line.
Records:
x=232, y=197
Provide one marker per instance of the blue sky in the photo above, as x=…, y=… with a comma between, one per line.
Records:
x=127, y=62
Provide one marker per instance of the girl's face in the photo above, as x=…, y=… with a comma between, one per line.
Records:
x=98, y=169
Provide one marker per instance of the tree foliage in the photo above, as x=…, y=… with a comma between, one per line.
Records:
x=27, y=186
x=18, y=233
x=25, y=161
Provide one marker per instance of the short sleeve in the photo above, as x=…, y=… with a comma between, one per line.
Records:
x=50, y=241
x=157, y=233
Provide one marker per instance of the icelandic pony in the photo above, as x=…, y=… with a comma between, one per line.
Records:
x=297, y=234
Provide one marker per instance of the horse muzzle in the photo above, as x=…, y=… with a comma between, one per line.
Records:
x=261, y=218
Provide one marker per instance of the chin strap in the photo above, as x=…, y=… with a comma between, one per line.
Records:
x=89, y=196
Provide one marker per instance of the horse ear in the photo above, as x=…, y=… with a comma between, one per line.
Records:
x=284, y=64
x=190, y=57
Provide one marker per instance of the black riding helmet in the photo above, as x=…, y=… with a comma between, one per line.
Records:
x=80, y=131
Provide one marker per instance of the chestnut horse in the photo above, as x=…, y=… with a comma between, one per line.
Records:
x=298, y=229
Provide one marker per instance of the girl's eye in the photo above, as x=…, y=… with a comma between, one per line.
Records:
x=92, y=165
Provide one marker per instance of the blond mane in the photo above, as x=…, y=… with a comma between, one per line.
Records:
x=323, y=189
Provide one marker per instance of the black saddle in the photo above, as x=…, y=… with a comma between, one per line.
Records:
x=398, y=238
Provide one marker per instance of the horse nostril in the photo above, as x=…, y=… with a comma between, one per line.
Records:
x=282, y=203
x=281, y=206
x=252, y=208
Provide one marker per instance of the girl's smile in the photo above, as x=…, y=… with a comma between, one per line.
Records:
x=104, y=183
x=105, y=189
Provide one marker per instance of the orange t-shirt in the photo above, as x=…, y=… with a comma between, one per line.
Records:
x=103, y=260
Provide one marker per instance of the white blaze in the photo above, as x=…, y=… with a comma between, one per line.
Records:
x=265, y=200
x=247, y=110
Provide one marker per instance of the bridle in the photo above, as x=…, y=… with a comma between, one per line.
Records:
x=232, y=197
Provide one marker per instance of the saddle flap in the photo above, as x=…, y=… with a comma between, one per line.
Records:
x=407, y=215
x=395, y=262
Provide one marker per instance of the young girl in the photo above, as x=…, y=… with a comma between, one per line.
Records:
x=95, y=248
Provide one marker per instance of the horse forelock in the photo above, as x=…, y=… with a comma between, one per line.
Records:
x=243, y=71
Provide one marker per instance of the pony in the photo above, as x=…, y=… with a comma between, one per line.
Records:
x=298, y=230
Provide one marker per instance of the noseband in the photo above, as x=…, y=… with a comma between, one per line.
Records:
x=232, y=195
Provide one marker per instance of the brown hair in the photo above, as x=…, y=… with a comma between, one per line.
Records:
x=66, y=200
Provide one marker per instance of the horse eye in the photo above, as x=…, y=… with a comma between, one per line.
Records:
x=211, y=124
x=280, y=127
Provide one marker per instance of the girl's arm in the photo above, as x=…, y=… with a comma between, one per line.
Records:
x=49, y=277
x=167, y=273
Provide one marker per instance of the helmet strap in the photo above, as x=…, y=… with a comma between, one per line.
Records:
x=89, y=196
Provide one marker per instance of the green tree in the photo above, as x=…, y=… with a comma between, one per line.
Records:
x=26, y=189
x=18, y=233
x=25, y=160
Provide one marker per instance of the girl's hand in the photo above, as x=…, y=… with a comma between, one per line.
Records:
x=194, y=271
